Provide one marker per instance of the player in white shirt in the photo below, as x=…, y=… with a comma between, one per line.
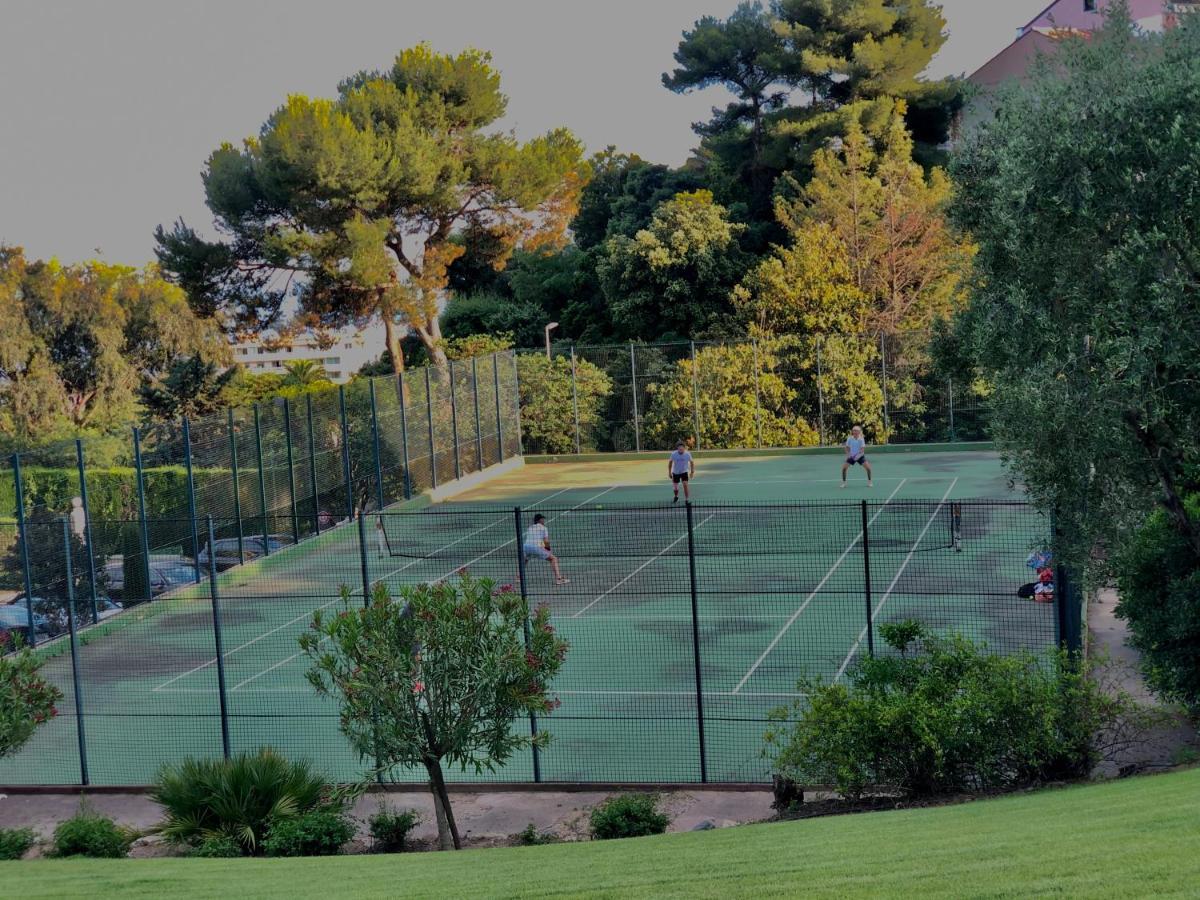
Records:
x=856, y=455
x=680, y=467
x=537, y=544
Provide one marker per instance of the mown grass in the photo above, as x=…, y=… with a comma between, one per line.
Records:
x=1137, y=837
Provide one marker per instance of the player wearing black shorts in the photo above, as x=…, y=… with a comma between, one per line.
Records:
x=681, y=468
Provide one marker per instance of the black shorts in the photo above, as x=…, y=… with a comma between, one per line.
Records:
x=677, y=477
x=857, y=461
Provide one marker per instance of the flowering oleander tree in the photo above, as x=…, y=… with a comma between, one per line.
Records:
x=437, y=677
x=27, y=700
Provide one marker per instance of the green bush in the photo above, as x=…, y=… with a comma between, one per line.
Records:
x=1158, y=577
x=389, y=830
x=318, y=832
x=27, y=700
x=548, y=404
x=15, y=842
x=529, y=836
x=218, y=847
x=238, y=798
x=940, y=715
x=628, y=815
x=88, y=834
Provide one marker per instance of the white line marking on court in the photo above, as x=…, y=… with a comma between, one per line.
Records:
x=891, y=587
x=414, y=562
x=807, y=600
x=265, y=634
x=638, y=569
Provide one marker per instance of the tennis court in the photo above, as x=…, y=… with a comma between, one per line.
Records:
x=783, y=572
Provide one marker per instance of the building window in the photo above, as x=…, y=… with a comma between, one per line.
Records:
x=277, y=364
x=348, y=346
x=332, y=360
x=261, y=351
x=1089, y=5
x=335, y=374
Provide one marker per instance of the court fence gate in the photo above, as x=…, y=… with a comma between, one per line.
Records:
x=687, y=625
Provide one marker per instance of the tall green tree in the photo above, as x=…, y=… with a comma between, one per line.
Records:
x=192, y=387
x=359, y=205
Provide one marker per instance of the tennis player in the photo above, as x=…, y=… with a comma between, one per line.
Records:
x=856, y=455
x=380, y=538
x=537, y=544
x=681, y=467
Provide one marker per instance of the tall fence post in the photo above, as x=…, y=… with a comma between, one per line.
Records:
x=76, y=681
x=237, y=489
x=575, y=396
x=499, y=421
x=366, y=588
x=429, y=420
x=517, y=405
x=23, y=538
x=143, y=524
x=262, y=481
x=757, y=398
x=866, y=554
x=478, y=421
x=346, y=452
x=691, y=533
x=191, y=498
x=454, y=422
x=950, y=396
x=821, y=398
x=404, y=436
x=375, y=446
x=291, y=464
x=637, y=427
x=695, y=395
x=883, y=383
x=533, y=728
x=312, y=464
x=87, y=529
x=219, y=643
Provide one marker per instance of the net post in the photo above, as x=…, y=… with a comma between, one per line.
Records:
x=237, y=490
x=191, y=499
x=499, y=424
x=695, y=395
x=429, y=420
x=575, y=396
x=142, y=523
x=478, y=421
x=23, y=538
x=375, y=445
x=533, y=728
x=312, y=464
x=218, y=642
x=691, y=536
x=262, y=479
x=87, y=527
x=637, y=427
x=454, y=423
x=76, y=681
x=950, y=395
x=346, y=451
x=822, y=436
x=287, y=431
x=366, y=589
x=404, y=436
x=757, y=398
x=866, y=555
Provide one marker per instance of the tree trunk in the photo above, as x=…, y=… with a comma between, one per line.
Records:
x=1160, y=457
x=431, y=336
x=447, y=828
x=393, y=344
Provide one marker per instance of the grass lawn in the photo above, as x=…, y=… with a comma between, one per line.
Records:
x=1135, y=837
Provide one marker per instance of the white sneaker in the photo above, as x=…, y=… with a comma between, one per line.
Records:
x=843, y=485
x=870, y=484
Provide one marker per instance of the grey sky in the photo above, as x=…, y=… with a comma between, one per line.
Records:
x=110, y=108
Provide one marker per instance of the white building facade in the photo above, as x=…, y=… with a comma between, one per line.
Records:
x=341, y=353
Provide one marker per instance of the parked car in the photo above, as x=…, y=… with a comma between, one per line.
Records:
x=226, y=556
x=54, y=612
x=167, y=572
x=15, y=618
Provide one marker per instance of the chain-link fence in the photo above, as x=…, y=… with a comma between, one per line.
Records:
x=279, y=473
x=783, y=391
x=687, y=625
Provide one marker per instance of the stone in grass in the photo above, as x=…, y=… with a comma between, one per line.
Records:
x=706, y=825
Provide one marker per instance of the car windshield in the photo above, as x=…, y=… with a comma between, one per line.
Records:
x=177, y=573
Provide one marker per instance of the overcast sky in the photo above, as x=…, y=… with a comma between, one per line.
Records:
x=109, y=109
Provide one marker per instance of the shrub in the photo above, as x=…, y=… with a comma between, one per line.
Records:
x=548, y=404
x=940, y=715
x=629, y=815
x=318, y=832
x=15, y=842
x=26, y=699
x=236, y=798
x=389, y=830
x=88, y=834
x=529, y=836
x=1158, y=577
x=218, y=847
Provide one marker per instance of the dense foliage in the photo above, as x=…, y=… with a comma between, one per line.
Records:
x=318, y=832
x=15, y=842
x=90, y=834
x=628, y=815
x=548, y=404
x=27, y=700
x=390, y=828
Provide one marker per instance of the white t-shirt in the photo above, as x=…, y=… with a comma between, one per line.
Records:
x=855, y=447
x=537, y=535
x=680, y=462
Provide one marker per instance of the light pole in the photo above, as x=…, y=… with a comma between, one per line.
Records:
x=549, y=328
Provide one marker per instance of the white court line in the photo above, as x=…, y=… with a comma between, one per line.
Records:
x=807, y=600
x=891, y=587
x=265, y=634
x=638, y=569
x=288, y=659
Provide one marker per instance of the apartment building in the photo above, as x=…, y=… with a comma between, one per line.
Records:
x=342, y=353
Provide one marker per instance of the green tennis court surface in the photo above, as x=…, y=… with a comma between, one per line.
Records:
x=781, y=593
